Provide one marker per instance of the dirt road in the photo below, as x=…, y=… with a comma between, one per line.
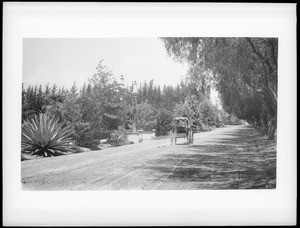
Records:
x=225, y=158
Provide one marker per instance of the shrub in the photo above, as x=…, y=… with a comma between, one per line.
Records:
x=78, y=149
x=233, y=120
x=84, y=134
x=95, y=145
x=44, y=136
x=119, y=137
x=205, y=127
x=164, y=122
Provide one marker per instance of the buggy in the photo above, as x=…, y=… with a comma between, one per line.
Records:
x=182, y=129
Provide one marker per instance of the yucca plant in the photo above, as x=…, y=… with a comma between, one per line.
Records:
x=45, y=136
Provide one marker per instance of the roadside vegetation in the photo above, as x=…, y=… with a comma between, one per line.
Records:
x=45, y=136
x=244, y=71
x=56, y=120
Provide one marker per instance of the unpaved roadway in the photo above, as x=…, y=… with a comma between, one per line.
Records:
x=226, y=158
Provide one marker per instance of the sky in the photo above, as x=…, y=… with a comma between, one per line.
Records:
x=65, y=61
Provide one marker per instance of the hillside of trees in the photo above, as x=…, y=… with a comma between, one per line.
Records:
x=103, y=106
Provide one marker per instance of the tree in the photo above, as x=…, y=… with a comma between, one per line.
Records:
x=244, y=71
x=68, y=111
x=34, y=101
x=74, y=90
x=188, y=108
x=107, y=97
x=207, y=113
x=146, y=117
x=164, y=121
x=47, y=89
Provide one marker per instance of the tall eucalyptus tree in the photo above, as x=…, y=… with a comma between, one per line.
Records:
x=244, y=71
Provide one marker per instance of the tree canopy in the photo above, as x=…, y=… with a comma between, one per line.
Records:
x=244, y=71
x=103, y=106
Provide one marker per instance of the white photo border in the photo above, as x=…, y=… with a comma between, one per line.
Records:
x=201, y=207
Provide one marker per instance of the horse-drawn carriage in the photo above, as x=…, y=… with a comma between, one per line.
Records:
x=182, y=129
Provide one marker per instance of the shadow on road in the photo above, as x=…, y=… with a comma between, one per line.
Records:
x=239, y=160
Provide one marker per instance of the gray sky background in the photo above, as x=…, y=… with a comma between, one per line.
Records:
x=63, y=61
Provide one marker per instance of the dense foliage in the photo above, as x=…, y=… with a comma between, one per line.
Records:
x=119, y=137
x=147, y=116
x=244, y=71
x=103, y=108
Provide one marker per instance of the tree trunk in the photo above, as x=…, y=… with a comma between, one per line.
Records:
x=271, y=134
x=272, y=128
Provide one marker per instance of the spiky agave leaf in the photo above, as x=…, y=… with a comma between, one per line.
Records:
x=45, y=136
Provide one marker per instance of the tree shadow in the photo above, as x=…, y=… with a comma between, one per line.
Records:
x=235, y=161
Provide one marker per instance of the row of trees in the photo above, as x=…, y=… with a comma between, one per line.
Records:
x=103, y=105
x=244, y=71
x=97, y=107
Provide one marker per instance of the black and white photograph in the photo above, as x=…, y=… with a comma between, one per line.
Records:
x=120, y=125
x=154, y=114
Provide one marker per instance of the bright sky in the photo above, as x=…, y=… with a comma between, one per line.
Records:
x=63, y=61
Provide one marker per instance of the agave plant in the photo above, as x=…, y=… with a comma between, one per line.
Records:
x=45, y=136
